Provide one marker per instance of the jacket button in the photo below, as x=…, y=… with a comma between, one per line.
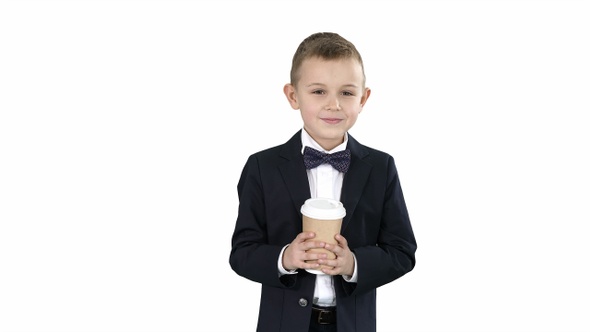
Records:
x=303, y=302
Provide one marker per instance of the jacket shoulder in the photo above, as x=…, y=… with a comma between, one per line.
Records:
x=368, y=154
x=283, y=150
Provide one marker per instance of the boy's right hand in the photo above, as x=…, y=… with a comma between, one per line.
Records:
x=296, y=255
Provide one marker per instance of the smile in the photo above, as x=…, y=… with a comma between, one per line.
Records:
x=331, y=120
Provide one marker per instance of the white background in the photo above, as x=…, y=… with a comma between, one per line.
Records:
x=124, y=126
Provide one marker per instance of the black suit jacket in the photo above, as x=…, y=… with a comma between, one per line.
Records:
x=272, y=188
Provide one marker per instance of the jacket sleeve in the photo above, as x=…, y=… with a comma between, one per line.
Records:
x=392, y=255
x=251, y=254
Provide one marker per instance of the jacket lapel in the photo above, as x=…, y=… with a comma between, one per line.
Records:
x=293, y=171
x=355, y=179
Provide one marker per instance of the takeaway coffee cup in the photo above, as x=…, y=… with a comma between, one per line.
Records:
x=323, y=216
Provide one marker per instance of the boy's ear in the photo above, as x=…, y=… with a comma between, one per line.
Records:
x=365, y=97
x=289, y=91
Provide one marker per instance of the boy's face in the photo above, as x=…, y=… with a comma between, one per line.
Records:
x=330, y=96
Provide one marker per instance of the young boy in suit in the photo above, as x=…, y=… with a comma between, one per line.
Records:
x=376, y=244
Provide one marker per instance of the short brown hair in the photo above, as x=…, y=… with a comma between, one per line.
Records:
x=327, y=46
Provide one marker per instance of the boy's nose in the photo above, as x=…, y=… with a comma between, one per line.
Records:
x=333, y=104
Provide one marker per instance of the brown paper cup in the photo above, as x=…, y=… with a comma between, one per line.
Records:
x=323, y=216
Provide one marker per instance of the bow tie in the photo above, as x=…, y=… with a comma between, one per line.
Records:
x=339, y=160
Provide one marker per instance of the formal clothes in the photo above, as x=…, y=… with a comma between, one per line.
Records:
x=324, y=181
x=273, y=186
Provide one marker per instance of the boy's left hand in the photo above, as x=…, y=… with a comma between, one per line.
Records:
x=344, y=261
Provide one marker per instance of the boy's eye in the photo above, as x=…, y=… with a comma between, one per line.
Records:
x=347, y=93
x=318, y=92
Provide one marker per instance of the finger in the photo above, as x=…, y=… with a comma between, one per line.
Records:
x=314, y=256
x=341, y=240
x=304, y=236
x=331, y=271
x=335, y=249
x=314, y=245
x=312, y=264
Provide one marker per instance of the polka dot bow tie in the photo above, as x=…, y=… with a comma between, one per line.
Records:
x=314, y=158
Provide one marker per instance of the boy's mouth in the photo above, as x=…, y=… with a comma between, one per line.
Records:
x=331, y=120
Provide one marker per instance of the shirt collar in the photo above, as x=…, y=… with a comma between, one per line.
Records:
x=306, y=140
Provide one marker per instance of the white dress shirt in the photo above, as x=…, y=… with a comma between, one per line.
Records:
x=324, y=181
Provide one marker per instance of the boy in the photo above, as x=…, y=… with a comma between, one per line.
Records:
x=376, y=244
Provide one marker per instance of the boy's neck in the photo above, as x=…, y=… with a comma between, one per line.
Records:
x=326, y=146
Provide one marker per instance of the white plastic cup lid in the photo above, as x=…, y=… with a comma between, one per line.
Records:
x=323, y=209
